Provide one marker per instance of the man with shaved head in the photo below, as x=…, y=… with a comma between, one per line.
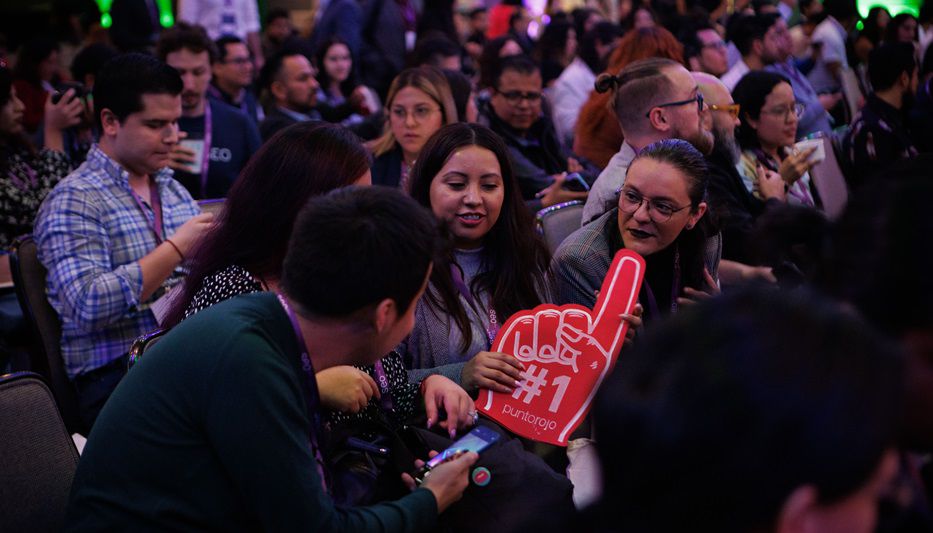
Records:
x=728, y=195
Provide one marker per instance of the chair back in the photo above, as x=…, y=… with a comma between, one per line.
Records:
x=852, y=93
x=830, y=182
x=143, y=343
x=215, y=206
x=45, y=354
x=557, y=222
x=37, y=456
x=6, y=276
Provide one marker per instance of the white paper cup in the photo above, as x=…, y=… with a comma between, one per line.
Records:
x=818, y=155
x=196, y=146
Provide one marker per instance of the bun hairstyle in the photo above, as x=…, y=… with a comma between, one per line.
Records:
x=636, y=88
x=606, y=82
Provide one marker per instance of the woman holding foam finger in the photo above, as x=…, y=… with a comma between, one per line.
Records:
x=495, y=266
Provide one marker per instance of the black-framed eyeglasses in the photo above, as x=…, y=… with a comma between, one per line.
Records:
x=238, y=61
x=659, y=211
x=720, y=44
x=698, y=99
x=514, y=97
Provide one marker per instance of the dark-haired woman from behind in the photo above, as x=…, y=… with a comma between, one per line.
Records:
x=244, y=252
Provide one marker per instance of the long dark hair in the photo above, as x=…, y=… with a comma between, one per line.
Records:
x=894, y=25
x=10, y=143
x=750, y=93
x=302, y=161
x=515, y=261
x=348, y=85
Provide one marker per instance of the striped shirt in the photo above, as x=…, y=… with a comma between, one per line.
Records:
x=91, y=234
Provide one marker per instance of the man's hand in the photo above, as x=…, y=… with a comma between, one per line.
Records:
x=345, y=389
x=770, y=184
x=191, y=231
x=556, y=194
x=692, y=296
x=448, y=480
x=65, y=114
x=492, y=370
x=442, y=393
x=181, y=157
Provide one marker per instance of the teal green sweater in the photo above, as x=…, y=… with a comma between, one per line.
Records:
x=209, y=431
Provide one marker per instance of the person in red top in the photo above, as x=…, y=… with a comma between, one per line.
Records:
x=35, y=70
x=499, y=17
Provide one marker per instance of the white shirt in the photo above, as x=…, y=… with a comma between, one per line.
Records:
x=732, y=76
x=926, y=37
x=608, y=183
x=570, y=92
x=833, y=36
x=221, y=17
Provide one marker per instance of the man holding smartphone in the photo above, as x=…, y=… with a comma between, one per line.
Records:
x=218, y=426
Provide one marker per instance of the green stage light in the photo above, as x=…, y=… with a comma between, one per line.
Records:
x=893, y=6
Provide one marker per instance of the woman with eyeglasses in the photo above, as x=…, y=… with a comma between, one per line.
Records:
x=418, y=104
x=766, y=136
x=658, y=215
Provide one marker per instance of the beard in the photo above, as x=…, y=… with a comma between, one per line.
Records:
x=190, y=100
x=701, y=140
x=726, y=145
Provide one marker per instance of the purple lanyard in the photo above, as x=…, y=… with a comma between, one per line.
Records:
x=312, y=398
x=206, y=153
x=652, y=302
x=155, y=202
x=23, y=185
x=493, y=328
x=385, y=393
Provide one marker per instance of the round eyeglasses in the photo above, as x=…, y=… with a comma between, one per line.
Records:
x=659, y=211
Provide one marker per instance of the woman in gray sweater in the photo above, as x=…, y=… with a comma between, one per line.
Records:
x=495, y=264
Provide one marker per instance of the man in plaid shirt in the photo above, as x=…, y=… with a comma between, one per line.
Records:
x=113, y=233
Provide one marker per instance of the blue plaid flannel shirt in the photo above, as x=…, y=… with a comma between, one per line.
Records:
x=90, y=235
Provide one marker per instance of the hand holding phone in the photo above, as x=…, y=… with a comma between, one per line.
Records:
x=477, y=440
x=575, y=182
x=450, y=479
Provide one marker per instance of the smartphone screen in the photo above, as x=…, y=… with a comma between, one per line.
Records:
x=575, y=182
x=477, y=440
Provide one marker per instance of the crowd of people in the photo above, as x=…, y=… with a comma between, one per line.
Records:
x=380, y=176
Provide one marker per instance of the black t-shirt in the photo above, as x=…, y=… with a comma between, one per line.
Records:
x=234, y=138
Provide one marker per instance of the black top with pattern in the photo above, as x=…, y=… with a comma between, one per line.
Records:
x=236, y=280
x=27, y=180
